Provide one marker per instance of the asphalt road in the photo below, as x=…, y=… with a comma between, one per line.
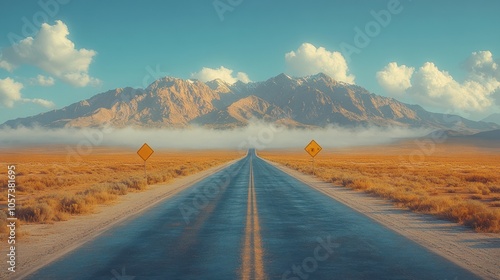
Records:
x=251, y=221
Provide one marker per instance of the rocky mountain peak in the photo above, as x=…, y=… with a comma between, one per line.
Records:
x=219, y=86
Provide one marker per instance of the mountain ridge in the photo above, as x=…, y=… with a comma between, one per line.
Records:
x=311, y=101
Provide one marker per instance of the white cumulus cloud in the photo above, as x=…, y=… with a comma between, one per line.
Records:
x=395, y=79
x=10, y=93
x=43, y=81
x=481, y=65
x=209, y=74
x=438, y=88
x=309, y=60
x=434, y=87
x=52, y=51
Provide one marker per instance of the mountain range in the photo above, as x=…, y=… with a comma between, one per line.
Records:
x=304, y=102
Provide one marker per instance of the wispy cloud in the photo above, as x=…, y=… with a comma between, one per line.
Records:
x=39, y=101
x=43, y=81
x=10, y=93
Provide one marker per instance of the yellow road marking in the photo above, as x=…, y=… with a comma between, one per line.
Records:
x=253, y=241
x=245, y=272
x=258, y=251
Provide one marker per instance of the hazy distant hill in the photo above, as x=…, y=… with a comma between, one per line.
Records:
x=313, y=101
x=492, y=135
x=494, y=118
x=490, y=138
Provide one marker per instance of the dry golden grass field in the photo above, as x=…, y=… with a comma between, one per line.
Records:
x=52, y=188
x=454, y=182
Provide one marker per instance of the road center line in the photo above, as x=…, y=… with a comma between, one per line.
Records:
x=252, y=268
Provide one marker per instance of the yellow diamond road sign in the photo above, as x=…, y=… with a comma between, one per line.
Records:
x=313, y=148
x=145, y=152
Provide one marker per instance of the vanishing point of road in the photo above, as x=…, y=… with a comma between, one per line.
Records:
x=250, y=221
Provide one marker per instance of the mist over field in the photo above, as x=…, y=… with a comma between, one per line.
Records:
x=256, y=135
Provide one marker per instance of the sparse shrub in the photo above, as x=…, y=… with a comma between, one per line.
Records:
x=477, y=178
x=3, y=222
x=485, y=191
x=135, y=183
x=118, y=188
x=494, y=189
x=166, y=177
x=154, y=178
x=3, y=182
x=433, y=205
x=405, y=199
x=98, y=194
x=180, y=172
x=40, y=212
x=360, y=184
x=61, y=216
x=346, y=181
x=74, y=204
x=484, y=221
x=475, y=215
x=473, y=190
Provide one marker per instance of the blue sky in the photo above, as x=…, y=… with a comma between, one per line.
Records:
x=444, y=54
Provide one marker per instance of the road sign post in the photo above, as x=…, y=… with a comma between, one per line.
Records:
x=313, y=165
x=313, y=149
x=145, y=152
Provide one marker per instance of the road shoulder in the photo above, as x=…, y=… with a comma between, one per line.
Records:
x=477, y=252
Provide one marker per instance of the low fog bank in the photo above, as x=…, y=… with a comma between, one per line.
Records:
x=256, y=135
